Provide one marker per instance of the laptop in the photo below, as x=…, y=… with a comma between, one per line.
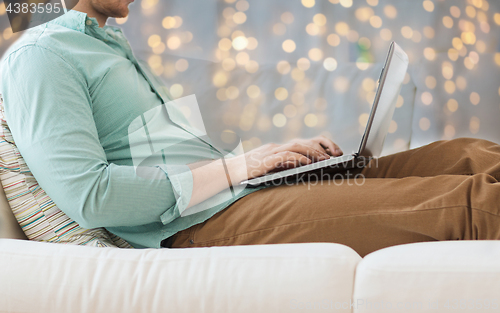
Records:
x=372, y=142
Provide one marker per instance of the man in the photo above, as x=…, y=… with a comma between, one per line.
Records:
x=72, y=87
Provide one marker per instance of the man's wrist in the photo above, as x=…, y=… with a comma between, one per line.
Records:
x=237, y=169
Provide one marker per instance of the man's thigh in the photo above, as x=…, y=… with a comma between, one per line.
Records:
x=462, y=156
x=375, y=214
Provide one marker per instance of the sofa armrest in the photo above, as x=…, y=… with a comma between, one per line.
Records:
x=43, y=277
x=447, y=276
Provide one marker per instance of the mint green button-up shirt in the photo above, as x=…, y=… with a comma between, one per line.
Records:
x=72, y=92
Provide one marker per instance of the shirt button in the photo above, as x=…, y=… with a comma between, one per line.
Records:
x=89, y=22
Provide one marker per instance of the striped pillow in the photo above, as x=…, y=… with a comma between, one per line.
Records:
x=38, y=215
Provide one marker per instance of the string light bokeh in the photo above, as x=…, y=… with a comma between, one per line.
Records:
x=274, y=70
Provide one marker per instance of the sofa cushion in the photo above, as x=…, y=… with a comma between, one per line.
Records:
x=38, y=216
x=446, y=276
x=304, y=277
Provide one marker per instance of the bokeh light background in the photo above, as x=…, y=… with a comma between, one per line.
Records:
x=273, y=70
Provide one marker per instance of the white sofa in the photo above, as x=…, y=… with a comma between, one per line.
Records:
x=424, y=277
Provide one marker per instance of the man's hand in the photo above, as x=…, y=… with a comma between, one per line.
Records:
x=208, y=181
x=322, y=144
x=275, y=157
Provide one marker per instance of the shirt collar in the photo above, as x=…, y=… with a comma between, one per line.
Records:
x=79, y=21
x=74, y=20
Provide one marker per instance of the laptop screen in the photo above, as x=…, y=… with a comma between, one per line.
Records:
x=385, y=101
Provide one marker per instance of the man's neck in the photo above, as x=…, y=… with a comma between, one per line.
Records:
x=85, y=7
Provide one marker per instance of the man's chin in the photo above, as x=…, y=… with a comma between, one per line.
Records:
x=124, y=13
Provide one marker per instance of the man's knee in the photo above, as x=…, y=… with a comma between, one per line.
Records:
x=466, y=142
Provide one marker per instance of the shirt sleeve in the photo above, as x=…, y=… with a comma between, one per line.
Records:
x=49, y=110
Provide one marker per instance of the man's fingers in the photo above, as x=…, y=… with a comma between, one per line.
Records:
x=331, y=146
x=305, y=150
x=320, y=147
x=288, y=159
x=286, y=165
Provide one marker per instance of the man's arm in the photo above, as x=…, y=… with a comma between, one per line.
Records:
x=49, y=110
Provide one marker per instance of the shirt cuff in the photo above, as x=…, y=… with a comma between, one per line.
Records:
x=181, y=179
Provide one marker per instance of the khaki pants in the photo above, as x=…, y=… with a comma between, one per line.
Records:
x=447, y=190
